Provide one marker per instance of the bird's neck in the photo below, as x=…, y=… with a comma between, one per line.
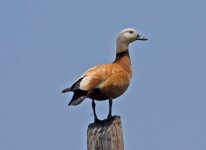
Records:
x=121, y=45
x=123, y=59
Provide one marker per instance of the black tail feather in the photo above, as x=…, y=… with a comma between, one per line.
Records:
x=66, y=90
x=78, y=97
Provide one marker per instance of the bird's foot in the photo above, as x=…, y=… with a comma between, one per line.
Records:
x=110, y=117
x=96, y=120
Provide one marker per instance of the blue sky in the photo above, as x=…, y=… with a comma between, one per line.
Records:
x=47, y=44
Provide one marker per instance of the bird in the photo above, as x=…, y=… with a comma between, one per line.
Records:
x=106, y=81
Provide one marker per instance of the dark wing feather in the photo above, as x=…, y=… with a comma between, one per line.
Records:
x=66, y=90
x=74, y=87
x=78, y=97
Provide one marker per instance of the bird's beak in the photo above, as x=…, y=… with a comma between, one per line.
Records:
x=141, y=38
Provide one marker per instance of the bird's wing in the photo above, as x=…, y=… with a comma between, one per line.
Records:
x=94, y=76
x=98, y=76
x=89, y=80
x=104, y=76
x=109, y=80
x=117, y=80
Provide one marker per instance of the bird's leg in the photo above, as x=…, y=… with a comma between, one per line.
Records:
x=110, y=110
x=94, y=112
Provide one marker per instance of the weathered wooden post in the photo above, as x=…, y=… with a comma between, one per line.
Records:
x=106, y=135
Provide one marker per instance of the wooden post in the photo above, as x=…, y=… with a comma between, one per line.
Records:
x=106, y=135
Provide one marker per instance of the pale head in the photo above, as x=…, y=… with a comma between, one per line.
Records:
x=126, y=37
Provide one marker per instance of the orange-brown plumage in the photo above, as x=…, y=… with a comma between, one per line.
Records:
x=111, y=80
x=107, y=81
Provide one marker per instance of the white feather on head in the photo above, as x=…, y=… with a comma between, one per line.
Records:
x=125, y=37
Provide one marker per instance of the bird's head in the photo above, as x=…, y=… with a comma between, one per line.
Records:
x=126, y=37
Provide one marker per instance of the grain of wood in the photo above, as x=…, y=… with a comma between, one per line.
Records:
x=106, y=135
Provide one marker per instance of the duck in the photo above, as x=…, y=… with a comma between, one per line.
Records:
x=106, y=81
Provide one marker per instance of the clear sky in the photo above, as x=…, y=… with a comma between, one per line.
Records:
x=47, y=44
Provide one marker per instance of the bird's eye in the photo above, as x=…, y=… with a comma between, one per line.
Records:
x=131, y=32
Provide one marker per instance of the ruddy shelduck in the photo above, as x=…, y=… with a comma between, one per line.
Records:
x=107, y=81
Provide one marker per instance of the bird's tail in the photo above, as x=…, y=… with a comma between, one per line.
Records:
x=78, y=97
x=66, y=90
